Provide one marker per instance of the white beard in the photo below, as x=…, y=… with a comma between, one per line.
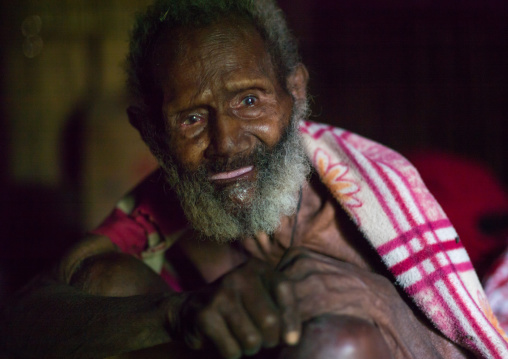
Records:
x=281, y=173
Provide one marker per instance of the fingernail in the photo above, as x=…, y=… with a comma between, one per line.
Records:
x=292, y=337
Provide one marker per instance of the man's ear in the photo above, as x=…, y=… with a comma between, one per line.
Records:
x=136, y=116
x=297, y=82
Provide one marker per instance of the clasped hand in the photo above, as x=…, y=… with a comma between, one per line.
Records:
x=256, y=306
x=251, y=307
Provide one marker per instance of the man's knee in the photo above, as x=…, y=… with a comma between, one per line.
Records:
x=335, y=336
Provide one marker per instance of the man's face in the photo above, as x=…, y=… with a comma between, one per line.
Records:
x=228, y=124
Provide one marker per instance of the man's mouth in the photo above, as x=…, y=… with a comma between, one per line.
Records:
x=232, y=175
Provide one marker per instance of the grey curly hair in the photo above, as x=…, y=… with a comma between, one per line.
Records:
x=165, y=15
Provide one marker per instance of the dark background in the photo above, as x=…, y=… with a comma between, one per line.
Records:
x=410, y=74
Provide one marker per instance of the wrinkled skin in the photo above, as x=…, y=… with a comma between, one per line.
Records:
x=361, y=302
x=327, y=286
x=222, y=99
x=343, y=309
x=245, y=314
x=250, y=308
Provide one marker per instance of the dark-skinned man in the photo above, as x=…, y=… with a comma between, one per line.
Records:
x=262, y=234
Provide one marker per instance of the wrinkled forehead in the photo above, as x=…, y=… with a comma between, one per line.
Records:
x=192, y=54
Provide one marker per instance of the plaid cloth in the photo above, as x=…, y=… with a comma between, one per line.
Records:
x=384, y=195
x=496, y=288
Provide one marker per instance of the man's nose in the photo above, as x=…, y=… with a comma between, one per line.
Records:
x=228, y=136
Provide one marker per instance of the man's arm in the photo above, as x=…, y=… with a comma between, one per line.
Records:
x=71, y=313
x=327, y=286
x=67, y=313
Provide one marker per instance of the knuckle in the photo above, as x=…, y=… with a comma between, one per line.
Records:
x=231, y=280
x=269, y=321
x=305, y=265
x=220, y=298
x=311, y=285
x=284, y=287
x=254, y=265
x=302, y=259
x=252, y=343
x=232, y=353
x=297, y=252
x=234, y=315
x=205, y=317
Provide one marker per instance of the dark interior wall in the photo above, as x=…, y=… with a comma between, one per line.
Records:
x=411, y=74
x=60, y=62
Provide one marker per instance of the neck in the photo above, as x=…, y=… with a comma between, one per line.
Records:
x=320, y=225
x=271, y=248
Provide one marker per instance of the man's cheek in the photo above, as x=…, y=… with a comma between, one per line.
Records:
x=189, y=154
x=272, y=130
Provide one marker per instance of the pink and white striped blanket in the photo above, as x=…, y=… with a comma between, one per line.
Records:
x=384, y=195
x=496, y=288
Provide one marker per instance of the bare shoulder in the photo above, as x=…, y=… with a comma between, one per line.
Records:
x=96, y=266
x=90, y=246
x=324, y=227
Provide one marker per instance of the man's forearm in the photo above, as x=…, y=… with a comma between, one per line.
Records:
x=60, y=321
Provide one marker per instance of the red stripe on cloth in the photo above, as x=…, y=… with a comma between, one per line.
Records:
x=417, y=231
x=427, y=280
x=370, y=183
x=381, y=200
x=458, y=299
x=403, y=207
x=392, y=188
x=429, y=251
x=439, y=273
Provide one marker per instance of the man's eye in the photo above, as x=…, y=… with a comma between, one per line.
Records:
x=249, y=101
x=191, y=120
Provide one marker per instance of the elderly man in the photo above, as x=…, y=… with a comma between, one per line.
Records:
x=246, y=241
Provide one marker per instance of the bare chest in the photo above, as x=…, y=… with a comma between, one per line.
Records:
x=319, y=225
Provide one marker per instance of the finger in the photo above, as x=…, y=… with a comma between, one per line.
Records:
x=302, y=259
x=291, y=256
x=217, y=331
x=291, y=323
x=264, y=313
x=194, y=341
x=310, y=286
x=302, y=267
x=323, y=293
x=263, y=241
x=296, y=253
x=241, y=325
x=308, y=263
